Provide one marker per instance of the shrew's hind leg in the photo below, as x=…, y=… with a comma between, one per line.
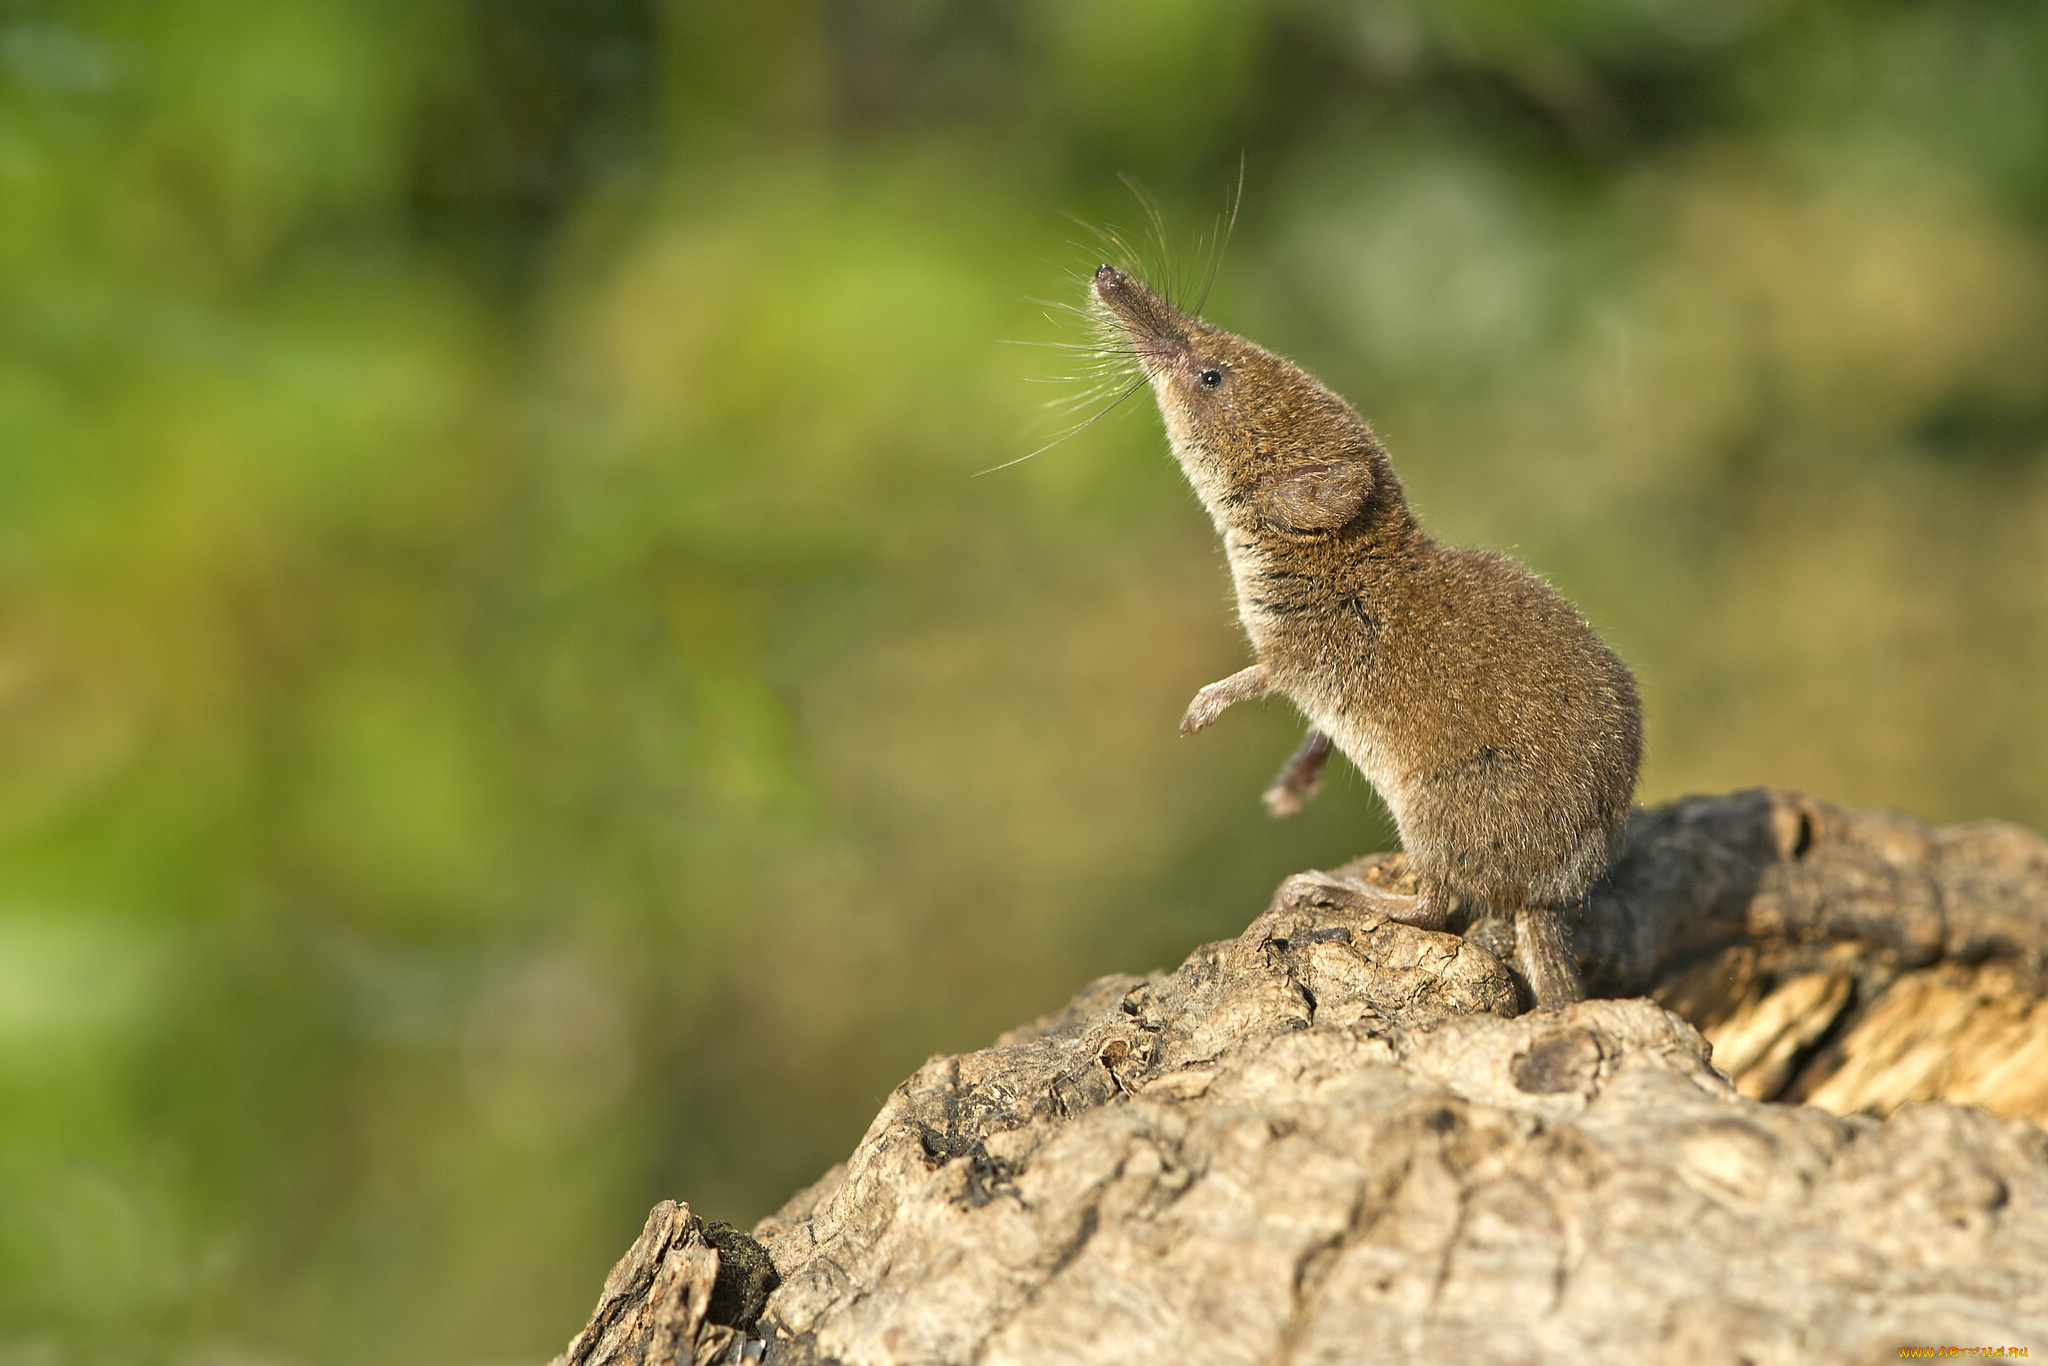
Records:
x=1425, y=911
x=1301, y=777
x=1434, y=903
x=1543, y=953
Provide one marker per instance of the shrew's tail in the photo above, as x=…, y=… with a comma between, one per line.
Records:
x=1543, y=953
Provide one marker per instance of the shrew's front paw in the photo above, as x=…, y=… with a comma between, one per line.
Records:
x=1300, y=778
x=1207, y=706
x=1210, y=701
x=1283, y=801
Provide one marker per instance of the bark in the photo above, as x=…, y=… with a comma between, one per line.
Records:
x=684, y=1294
x=1332, y=1140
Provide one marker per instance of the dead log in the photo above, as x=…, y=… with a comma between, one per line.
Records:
x=1332, y=1140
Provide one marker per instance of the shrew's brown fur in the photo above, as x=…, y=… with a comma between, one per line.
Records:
x=1503, y=734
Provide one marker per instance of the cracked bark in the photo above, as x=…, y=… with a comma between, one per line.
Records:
x=1331, y=1140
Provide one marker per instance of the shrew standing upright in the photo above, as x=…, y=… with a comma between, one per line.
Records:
x=1502, y=733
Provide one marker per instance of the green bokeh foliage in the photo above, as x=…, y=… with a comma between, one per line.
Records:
x=513, y=704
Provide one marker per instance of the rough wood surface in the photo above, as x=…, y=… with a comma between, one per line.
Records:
x=1329, y=1140
x=685, y=1294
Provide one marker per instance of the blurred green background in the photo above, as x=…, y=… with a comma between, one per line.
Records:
x=513, y=706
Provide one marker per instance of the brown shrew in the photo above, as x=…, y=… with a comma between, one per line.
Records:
x=1502, y=732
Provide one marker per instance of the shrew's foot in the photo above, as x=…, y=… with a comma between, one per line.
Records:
x=1432, y=907
x=1315, y=888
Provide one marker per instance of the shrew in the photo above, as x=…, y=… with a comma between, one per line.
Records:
x=1503, y=734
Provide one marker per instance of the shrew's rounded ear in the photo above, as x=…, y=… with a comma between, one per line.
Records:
x=1318, y=497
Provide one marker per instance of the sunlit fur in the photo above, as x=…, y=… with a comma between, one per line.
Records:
x=1503, y=734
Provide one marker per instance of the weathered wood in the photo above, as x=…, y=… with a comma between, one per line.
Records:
x=1329, y=1140
x=684, y=1294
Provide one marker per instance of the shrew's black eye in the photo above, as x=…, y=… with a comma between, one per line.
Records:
x=1211, y=378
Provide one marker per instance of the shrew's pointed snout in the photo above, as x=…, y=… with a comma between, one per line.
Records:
x=1141, y=313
